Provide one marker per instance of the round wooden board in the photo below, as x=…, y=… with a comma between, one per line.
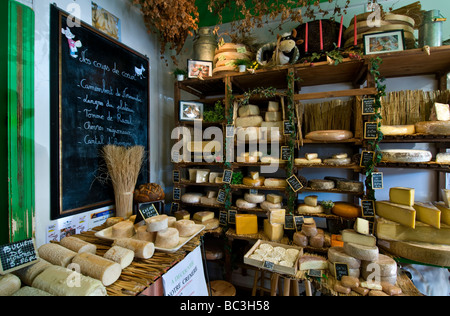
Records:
x=225, y=69
x=230, y=56
x=229, y=47
x=364, y=27
x=410, y=40
x=388, y=17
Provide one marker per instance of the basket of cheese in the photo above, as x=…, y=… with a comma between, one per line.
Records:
x=275, y=257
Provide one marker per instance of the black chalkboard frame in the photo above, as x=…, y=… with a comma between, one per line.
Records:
x=56, y=157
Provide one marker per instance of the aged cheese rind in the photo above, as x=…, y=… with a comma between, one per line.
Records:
x=361, y=252
x=403, y=196
x=433, y=128
x=56, y=254
x=312, y=262
x=329, y=135
x=351, y=186
x=351, y=236
x=267, y=206
x=386, y=266
x=191, y=198
x=241, y=203
x=307, y=209
x=318, y=184
x=275, y=183
x=249, y=110
x=406, y=155
x=250, y=121
x=346, y=210
x=338, y=255
x=401, y=214
x=397, y=130
x=429, y=214
x=300, y=239
x=99, y=268
x=445, y=212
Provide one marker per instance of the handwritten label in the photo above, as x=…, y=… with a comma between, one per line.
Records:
x=176, y=176
x=232, y=217
x=288, y=128
x=294, y=183
x=371, y=131
x=368, y=208
x=341, y=270
x=268, y=265
x=17, y=255
x=227, y=176
x=285, y=153
x=368, y=106
x=223, y=218
x=289, y=223
x=299, y=221
x=366, y=158
x=177, y=194
x=377, y=181
x=174, y=208
x=148, y=210
x=222, y=197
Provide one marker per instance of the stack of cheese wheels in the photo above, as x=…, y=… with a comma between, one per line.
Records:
x=56, y=254
x=9, y=284
x=390, y=22
x=338, y=160
x=166, y=237
x=310, y=159
x=272, y=129
x=406, y=155
x=248, y=124
x=227, y=54
x=207, y=219
x=311, y=206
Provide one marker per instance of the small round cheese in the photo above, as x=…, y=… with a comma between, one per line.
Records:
x=191, y=198
x=123, y=229
x=361, y=252
x=143, y=234
x=157, y=223
x=167, y=239
x=240, y=203
x=186, y=228
x=267, y=206
x=255, y=198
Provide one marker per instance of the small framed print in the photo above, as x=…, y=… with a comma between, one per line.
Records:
x=199, y=69
x=191, y=111
x=384, y=42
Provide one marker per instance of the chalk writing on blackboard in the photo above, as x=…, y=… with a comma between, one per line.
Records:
x=17, y=255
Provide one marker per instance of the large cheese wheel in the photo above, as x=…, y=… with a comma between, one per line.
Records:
x=351, y=186
x=248, y=134
x=99, y=268
x=120, y=255
x=305, y=161
x=346, y=210
x=275, y=183
x=338, y=161
x=329, y=135
x=123, y=229
x=267, y=206
x=60, y=281
x=321, y=184
x=186, y=228
x=338, y=255
x=398, y=130
x=433, y=128
x=157, y=223
x=28, y=274
x=255, y=198
x=78, y=245
x=240, y=203
x=249, y=110
x=167, y=239
x=385, y=266
x=142, y=249
x=361, y=252
x=9, y=284
x=56, y=254
x=191, y=198
x=250, y=121
x=406, y=155
x=310, y=210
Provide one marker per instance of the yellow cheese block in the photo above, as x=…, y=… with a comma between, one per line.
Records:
x=203, y=216
x=428, y=213
x=277, y=216
x=445, y=212
x=398, y=213
x=274, y=198
x=275, y=232
x=252, y=182
x=403, y=196
x=446, y=197
x=246, y=224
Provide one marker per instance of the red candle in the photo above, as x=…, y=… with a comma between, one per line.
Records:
x=306, y=37
x=321, y=35
x=356, y=31
x=340, y=32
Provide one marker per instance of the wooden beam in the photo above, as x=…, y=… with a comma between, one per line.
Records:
x=335, y=94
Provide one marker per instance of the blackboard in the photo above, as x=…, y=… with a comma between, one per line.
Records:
x=377, y=181
x=176, y=194
x=299, y=221
x=368, y=106
x=232, y=217
x=222, y=197
x=285, y=153
x=368, y=208
x=227, y=176
x=289, y=223
x=371, y=131
x=341, y=270
x=366, y=158
x=17, y=255
x=148, y=210
x=295, y=183
x=288, y=128
x=223, y=218
x=176, y=176
x=99, y=95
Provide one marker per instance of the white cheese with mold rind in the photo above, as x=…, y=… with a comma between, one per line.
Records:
x=406, y=155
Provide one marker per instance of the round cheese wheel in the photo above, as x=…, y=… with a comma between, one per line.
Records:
x=346, y=210
x=433, y=128
x=406, y=155
x=310, y=230
x=351, y=186
x=186, y=228
x=355, y=273
x=387, y=266
x=321, y=184
x=361, y=252
x=248, y=134
x=398, y=130
x=304, y=161
x=337, y=254
x=245, y=204
x=267, y=206
x=123, y=229
x=275, y=183
x=168, y=239
x=247, y=181
x=329, y=135
x=300, y=239
x=307, y=209
x=157, y=223
x=338, y=161
x=191, y=198
x=143, y=234
x=255, y=198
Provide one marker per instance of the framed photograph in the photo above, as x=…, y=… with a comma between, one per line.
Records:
x=385, y=42
x=199, y=69
x=191, y=111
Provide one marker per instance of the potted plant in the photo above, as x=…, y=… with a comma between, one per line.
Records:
x=242, y=64
x=328, y=206
x=180, y=74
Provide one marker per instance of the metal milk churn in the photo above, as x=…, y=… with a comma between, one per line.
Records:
x=430, y=32
x=205, y=44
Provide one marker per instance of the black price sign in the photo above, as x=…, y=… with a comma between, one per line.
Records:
x=17, y=255
x=268, y=265
x=285, y=153
x=299, y=221
x=146, y=210
x=222, y=196
x=177, y=194
x=289, y=223
x=288, y=128
x=223, y=218
x=341, y=270
x=175, y=208
x=371, y=131
x=366, y=158
x=377, y=181
x=368, y=106
x=227, y=176
x=176, y=177
x=295, y=183
x=368, y=208
x=232, y=217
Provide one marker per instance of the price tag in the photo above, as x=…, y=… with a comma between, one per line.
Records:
x=295, y=183
x=176, y=176
x=368, y=208
x=371, y=131
x=174, y=208
x=222, y=196
x=315, y=273
x=232, y=217
x=285, y=153
x=177, y=194
x=223, y=218
x=253, y=191
x=366, y=158
x=341, y=270
x=377, y=181
x=227, y=176
x=268, y=265
x=289, y=223
x=17, y=255
x=288, y=128
x=368, y=106
x=299, y=220
x=147, y=210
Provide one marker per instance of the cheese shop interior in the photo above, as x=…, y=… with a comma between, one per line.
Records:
x=319, y=169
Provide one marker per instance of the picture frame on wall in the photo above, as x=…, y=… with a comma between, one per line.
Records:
x=199, y=69
x=384, y=42
x=191, y=111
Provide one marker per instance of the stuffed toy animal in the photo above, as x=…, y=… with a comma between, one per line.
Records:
x=282, y=52
x=73, y=45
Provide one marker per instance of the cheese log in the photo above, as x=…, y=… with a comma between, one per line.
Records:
x=433, y=128
x=362, y=226
x=305, y=161
x=56, y=254
x=249, y=110
x=123, y=229
x=428, y=213
x=443, y=158
x=277, y=216
x=377, y=292
x=247, y=181
x=442, y=111
x=255, y=198
x=275, y=232
x=312, y=262
x=338, y=287
x=179, y=215
x=240, y=203
x=338, y=255
x=123, y=256
x=267, y=206
x=329, y=135
x=403, y=196
x=397, y=130
x=390, y=289
x=311, y=200
x=406, y=155
x=372, y=286
x=351, y=236
x=28, y=274
x=310, y=210
x=246, y=224
x=78, y=245
x=250, y=121
x=9, y=284
x=273, y=116
x=384, y=265
x=361, y=291
x=401, y=214
x=350, y=282
x=318, y=184
x=191, y=198
x=167, y=239
x=361, y=252
x=275, y=183
x=273, y=106
x=28, y=291
x=60, y=281
x=351, y=186
x=346, y=210
x=274, y=199
x=99, y=268
x=143, y=234
x=157, y=223
x=445, y=212
x=203, y=216
x=142, y=249
x=446, y=197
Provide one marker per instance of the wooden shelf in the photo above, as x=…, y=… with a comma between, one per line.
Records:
x=416, y=165
x=246, y=187
x=353, y=167
x=418, y=138
x=355, y=141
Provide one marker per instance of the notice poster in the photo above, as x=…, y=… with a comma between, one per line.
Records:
x=187, y=278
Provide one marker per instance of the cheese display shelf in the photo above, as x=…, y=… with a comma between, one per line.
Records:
x=412, y=165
